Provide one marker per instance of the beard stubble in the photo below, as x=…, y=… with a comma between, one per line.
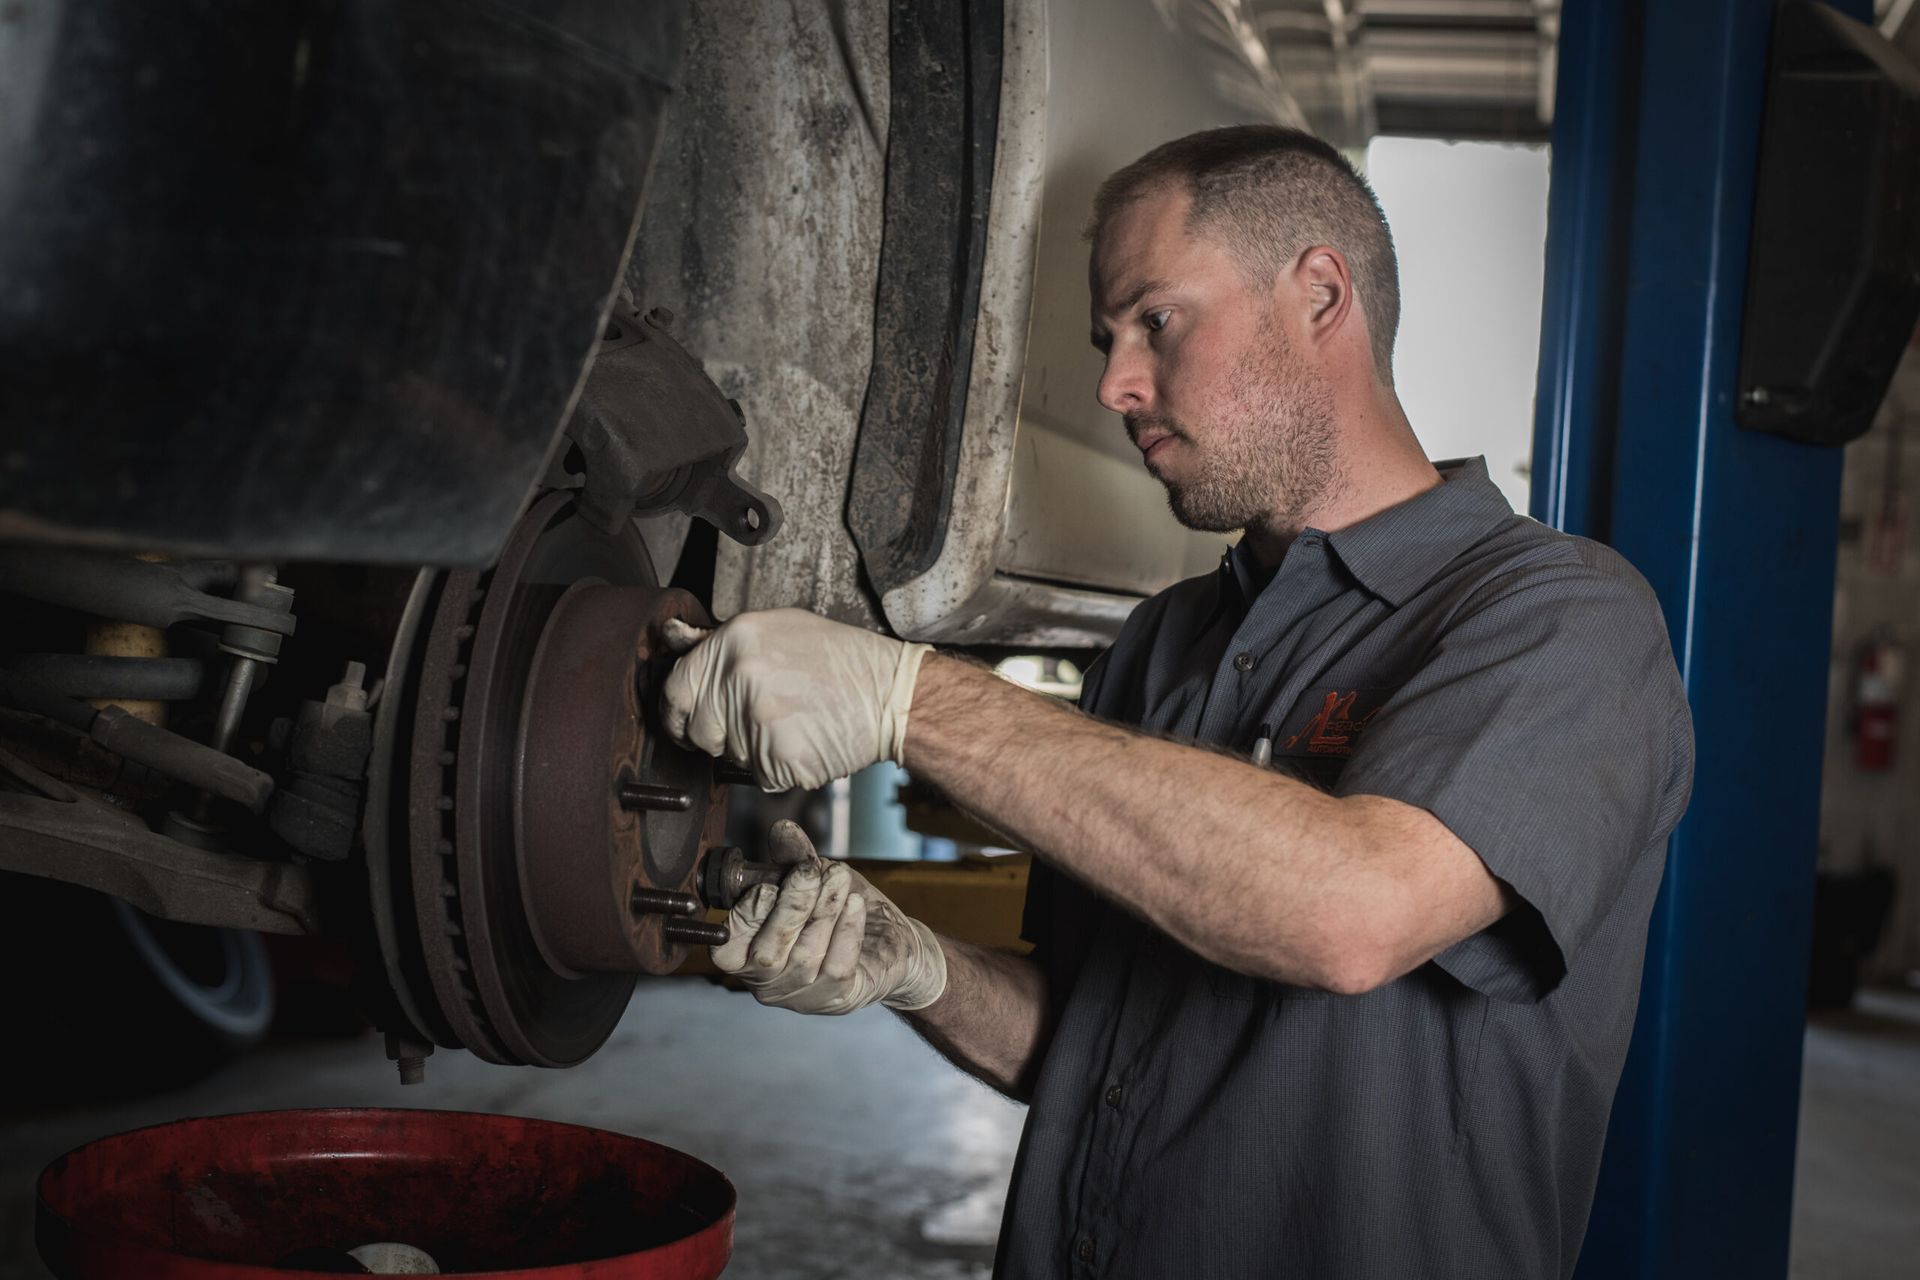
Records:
x=1266, y=451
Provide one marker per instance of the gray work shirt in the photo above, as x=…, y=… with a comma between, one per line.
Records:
x=1188, y=1120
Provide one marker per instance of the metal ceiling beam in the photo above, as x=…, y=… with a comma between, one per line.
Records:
x=1459, y=68
x=1511, y=122
x=1453, y=13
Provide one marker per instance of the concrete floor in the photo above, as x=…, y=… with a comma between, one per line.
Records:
x=856, y=1150
x=1856, y=1210
x=858, y=1153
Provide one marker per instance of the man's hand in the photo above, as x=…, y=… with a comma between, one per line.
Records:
x=797, y=698
x=826, y=941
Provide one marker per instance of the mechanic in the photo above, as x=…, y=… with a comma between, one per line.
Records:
x=1343, y=871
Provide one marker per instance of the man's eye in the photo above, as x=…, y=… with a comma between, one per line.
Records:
x=1157, y=320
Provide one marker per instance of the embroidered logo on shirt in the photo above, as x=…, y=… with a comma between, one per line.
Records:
x=1338, y=722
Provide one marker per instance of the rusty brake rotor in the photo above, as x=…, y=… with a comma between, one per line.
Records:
x=536, y=890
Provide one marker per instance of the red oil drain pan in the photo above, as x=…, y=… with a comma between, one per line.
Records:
x=231, y=1197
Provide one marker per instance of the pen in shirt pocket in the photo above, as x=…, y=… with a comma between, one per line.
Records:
x=1263, y=747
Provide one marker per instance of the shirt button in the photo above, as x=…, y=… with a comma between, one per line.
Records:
x=1085, y=1249
x=1113, y=1096
x=1243, y=662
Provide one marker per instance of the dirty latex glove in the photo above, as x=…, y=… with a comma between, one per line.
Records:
x=797, y=698
x=826, y=941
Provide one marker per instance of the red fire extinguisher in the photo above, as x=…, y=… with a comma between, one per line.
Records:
x=1879, y=672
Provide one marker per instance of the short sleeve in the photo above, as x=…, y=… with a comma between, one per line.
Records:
x=1548, y=730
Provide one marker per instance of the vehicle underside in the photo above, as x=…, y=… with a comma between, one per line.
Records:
x=328, y=608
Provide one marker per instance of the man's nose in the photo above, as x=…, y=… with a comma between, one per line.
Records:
x=1126, y=385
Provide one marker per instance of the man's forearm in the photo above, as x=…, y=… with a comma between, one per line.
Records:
x=993, y=1021
x=1253, y=870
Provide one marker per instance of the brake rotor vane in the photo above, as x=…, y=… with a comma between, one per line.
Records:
x=553, y=835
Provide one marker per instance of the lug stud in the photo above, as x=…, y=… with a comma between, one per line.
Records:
x=697, y=933
x=646, y=795
x=664, y=902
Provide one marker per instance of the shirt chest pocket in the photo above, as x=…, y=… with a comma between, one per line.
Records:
x=1318, y=731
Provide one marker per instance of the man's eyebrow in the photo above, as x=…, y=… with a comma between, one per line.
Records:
x=1136, y=293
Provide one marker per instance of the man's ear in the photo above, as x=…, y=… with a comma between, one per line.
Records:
x=1322, y=280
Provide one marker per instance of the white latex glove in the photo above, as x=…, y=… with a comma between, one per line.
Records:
x=826, y=941
x=797, y=698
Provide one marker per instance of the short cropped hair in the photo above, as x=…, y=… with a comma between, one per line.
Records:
x=1266, y=193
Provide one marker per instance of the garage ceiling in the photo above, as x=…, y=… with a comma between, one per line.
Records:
x=1351, y=69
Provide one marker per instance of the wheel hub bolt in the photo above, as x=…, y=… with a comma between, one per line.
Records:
x=646, y=795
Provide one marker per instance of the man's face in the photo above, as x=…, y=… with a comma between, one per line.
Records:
x=1228, y=413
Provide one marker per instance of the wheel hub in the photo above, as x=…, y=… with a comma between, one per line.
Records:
x=606, y=805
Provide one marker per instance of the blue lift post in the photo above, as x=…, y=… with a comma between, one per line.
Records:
x=1656, y=141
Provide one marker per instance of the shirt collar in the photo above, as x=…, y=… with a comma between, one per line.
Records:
x=1398, y=551
x=1238, y=573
